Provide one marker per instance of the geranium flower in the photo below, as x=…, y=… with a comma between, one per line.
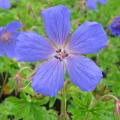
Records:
x=62, y=51
x=5, y=4
x=92, y=4
x=8, y=36
x=114, y=27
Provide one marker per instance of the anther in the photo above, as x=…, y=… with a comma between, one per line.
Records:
x=61, y=54
x=58, y=51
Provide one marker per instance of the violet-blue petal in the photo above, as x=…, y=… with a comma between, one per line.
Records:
x=102, y=1
x=91, y=4
x=89, y=38
x=83, y=72
x=13, y=26
x=49, y=78
x=0, y=49
x=114, y=27
x=57, y=23
x=1, y=30
x=9, y=48
x=31, y=47
x=5, y=4
x=1, y=45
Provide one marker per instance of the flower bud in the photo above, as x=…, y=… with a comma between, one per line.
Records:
x=117, y=107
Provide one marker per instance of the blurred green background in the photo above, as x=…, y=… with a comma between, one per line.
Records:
x=17, y=99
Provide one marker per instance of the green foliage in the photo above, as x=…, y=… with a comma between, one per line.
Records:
x=28, y=110
x=85, y=107
x=18, y=100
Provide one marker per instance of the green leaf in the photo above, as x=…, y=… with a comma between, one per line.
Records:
x=20, y=108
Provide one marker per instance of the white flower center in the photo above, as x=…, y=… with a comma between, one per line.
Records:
x=61, y=54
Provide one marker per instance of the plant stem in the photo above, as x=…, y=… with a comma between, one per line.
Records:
x=63, y=115
x=110, y=96
x=83, y=8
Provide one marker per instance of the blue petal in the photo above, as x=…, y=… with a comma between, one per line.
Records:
x=89, y=38
x=114, y=27
x=49, y=78
x=5, y=4
x=9, y=49
x=1, y=45
x=2, y=29
x=57, y=23
x=31, y=47
x=91, y=4
x=83, y=72
x=0, y=49
x=102, y=1
x=13, y=26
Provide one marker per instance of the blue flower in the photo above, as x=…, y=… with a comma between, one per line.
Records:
x=8, y=36
x=5, y=4
x=92, y=4
x=114, y=27
x=62, y=51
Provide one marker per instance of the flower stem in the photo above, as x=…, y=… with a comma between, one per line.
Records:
x=63, y=115
x=110, y=96
x=83, y=8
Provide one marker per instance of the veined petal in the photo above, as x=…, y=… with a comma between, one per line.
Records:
x=49, y=78
x=0, y=49
x=83, y=72
x=102, y=1
x=9, y=47
x=91, y=4
x=1, y=45
x=31, y=47
x=57, y=23
x=13, y=26
x=89, y=38
x=114, y=27
x=5, y=4
x=1, y=31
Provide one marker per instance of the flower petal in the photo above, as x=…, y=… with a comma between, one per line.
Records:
x=1, y=31
x=0, y=49
x=102, y=1
x=49, y=78
x=83, y=72
x=57, y=23
x=9, y=49
x=114, y=27
x=31, y=47
x=1, y=45
x=91, y=4
x=13, y=26
x=89, y=38
x=5, y=4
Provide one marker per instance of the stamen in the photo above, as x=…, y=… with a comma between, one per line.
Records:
x=61, y=54
x=58, y=51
